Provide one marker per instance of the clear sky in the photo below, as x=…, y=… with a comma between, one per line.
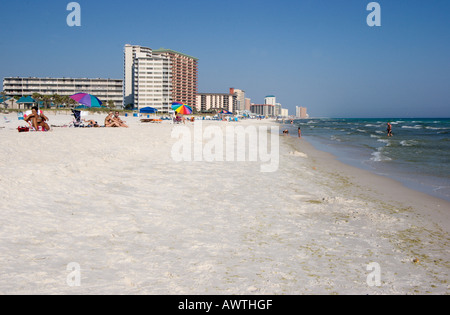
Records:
x=320, y=54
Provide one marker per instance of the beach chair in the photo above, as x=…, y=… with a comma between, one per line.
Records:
x=30, y=125
x=77, y=119
x=178, y=120
x=31, y=128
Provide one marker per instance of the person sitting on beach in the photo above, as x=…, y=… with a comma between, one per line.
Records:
x=110, y=122
x=91, y=123
x=119, y=121
x=38, y=119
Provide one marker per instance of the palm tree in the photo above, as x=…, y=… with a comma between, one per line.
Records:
x=110, y=104
x=3, y=94
x=46, y=99
x=65, y=100
x=71, y=101
x=37, y=97
x=57, y=100
x=12, y=99
x=53, y=98
x=15, y=98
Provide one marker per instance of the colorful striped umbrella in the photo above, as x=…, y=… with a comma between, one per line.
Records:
x=86, y=99
x=181, y=108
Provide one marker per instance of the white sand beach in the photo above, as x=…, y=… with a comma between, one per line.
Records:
x=114, y=201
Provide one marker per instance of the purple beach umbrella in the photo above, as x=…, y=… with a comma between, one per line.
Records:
x=86, y=99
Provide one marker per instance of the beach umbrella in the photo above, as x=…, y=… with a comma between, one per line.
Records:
x=181, y=108
x=148, y=110
x=86, y=99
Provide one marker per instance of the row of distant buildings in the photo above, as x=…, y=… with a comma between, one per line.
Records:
x=152, y=78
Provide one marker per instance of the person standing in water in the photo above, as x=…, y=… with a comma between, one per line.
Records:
x=299, y=132
x=389, y=130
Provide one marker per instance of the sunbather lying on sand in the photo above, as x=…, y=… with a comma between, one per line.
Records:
x=91, y=123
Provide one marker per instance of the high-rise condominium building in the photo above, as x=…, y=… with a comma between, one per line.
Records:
x=105, y=89
x=270, y=100
x=240, y=94
x=267, y=110
x=301, y=112
x=248, y=103
x=157, y=78
x=216, y=101
x=147, y=79
x=233, y=102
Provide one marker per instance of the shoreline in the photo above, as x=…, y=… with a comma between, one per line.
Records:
x=358, y=157
x=380, y=186
x=418, y=186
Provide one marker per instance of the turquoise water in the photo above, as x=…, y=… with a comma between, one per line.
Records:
x=418, y=154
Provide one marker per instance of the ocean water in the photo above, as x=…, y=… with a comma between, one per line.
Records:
x=418, y=155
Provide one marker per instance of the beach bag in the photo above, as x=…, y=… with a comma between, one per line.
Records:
x=23, y=129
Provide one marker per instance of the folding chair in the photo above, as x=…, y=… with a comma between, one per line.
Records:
x=77, y=121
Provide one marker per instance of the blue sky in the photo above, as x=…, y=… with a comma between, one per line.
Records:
x=315, y=53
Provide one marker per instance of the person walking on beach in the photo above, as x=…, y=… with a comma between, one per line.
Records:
x=299, y=132
x=389, y=130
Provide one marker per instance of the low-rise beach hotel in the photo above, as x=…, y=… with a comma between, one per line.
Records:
x=104, y=89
